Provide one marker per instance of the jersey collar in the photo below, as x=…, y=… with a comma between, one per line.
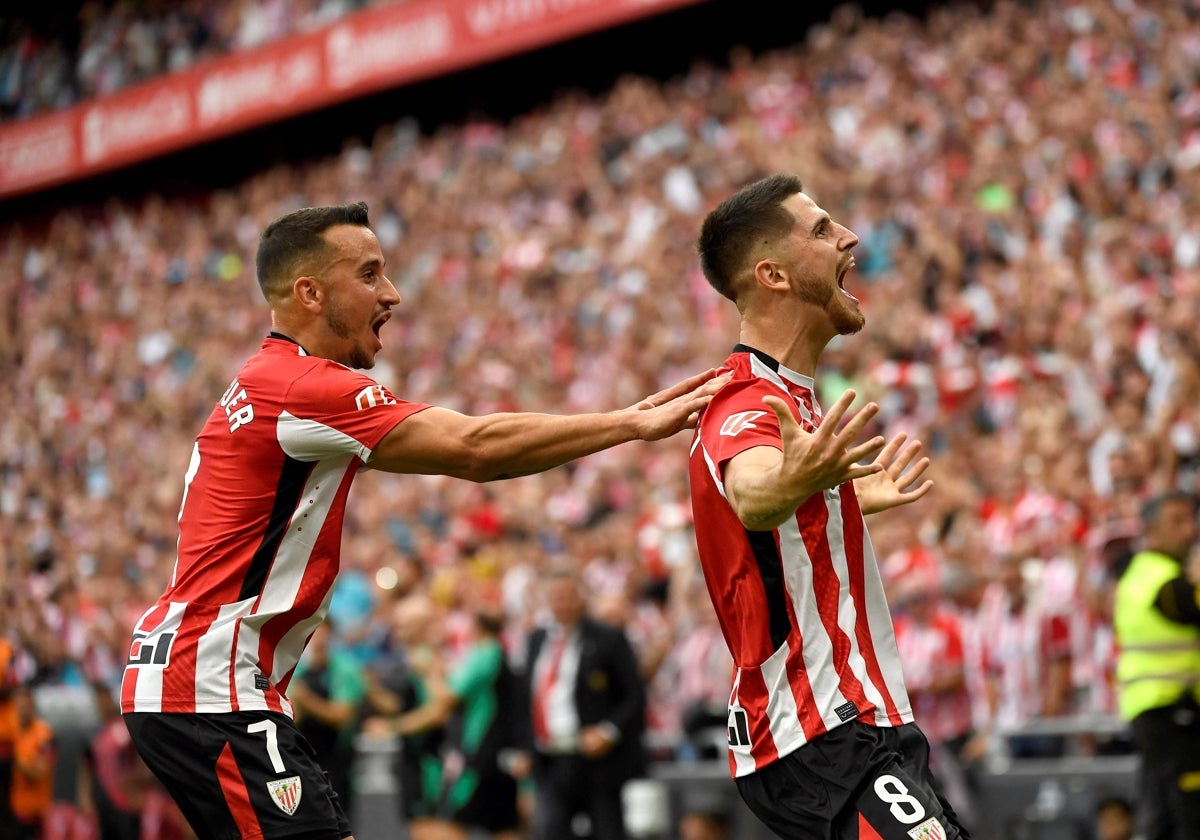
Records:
x=282, y=337
x=773, y=363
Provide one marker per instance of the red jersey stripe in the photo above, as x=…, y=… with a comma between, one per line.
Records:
x=237, y=798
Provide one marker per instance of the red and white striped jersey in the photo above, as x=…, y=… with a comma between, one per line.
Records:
x=802, y=607
x=260, y=531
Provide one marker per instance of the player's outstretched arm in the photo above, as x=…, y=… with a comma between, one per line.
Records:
x=892, y=486
x=765, y=485
x=438, y=441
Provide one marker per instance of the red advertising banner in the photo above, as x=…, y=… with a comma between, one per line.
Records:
x=365, y=52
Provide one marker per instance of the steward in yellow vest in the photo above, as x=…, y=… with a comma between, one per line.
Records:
x=1156, y=616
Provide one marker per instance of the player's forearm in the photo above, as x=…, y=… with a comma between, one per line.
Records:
x=761, y=502
x=509, y=445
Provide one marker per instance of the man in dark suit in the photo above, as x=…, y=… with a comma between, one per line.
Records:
x=583, y=716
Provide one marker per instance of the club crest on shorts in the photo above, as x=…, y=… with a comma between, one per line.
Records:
x=931, y=829
x=286, y=793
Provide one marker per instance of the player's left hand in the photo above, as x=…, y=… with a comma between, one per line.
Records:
x=677, y=407
x=893, y=486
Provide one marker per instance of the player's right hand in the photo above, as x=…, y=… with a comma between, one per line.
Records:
x=827, y=456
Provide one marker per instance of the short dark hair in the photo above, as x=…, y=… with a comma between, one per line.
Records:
x=1154, y=505
x=752, y=214
x=292, y=241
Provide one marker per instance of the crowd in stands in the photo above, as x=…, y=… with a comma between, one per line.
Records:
x=80, y=49
x=1023, y=181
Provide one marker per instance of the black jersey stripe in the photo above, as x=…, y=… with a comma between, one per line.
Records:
x=292, y=479
x=770, y=569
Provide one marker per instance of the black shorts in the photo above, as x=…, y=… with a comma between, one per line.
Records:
x=855, y=781
x=240, y=775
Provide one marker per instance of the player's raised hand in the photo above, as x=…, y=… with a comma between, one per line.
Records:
x=893, y=486
x=765, y=485
x=678, y=407
x=828, y=456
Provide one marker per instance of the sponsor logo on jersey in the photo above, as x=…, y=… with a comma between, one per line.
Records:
x=286, y=794
x=372, y=396
x=846, y=711
x=931, y=829
x=735, y=424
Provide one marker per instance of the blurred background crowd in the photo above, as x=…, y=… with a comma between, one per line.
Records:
x=63, y=52
x=1021, y=177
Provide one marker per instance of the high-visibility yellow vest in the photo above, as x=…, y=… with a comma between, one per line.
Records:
x=1157, y=659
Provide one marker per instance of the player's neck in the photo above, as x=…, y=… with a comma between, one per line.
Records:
x=798, y=351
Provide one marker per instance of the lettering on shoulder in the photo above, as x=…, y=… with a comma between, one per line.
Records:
x=237, y=409
x=372, y=396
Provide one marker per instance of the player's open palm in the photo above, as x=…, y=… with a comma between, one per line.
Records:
x=895, y=484
x=829, y=455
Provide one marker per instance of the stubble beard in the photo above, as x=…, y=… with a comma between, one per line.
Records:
x=845, y=316
x=338, y=326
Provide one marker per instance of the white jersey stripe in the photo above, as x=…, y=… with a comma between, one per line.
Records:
x=215, y=646
x=291, y=646
x=764, y=371
x=193, y=468
x=712, y=470
x=884, y=638
x=308, y=440
x=283, y=582
x=847, y=610
x=817, y=647
x=782, y=711
x=287, y=572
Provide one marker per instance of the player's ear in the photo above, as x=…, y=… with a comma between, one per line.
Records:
x=308, y=292
x=770, y=274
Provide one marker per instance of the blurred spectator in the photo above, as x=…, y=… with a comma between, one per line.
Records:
x=701, y=671
x=1026, y=662
x=8, y=736
x=584, y=719
x=1157, y=619
x=113, y=780
x=327, y=690
x=398, y=682
x=33, y=767
x=50, y=59
x=475, y=704
x=1114, y=818
x=929, y=638
x=705, y=825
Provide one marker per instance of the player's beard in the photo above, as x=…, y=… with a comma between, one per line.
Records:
x=336, y=321
x=844, y=314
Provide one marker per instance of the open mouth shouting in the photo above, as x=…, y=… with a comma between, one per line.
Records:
x=841, y=278
x=377, y=325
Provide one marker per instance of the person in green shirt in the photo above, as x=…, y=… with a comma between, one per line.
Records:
x=326, y=692
x=473, y=703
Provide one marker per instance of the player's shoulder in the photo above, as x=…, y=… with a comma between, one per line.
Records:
x=745, y=387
